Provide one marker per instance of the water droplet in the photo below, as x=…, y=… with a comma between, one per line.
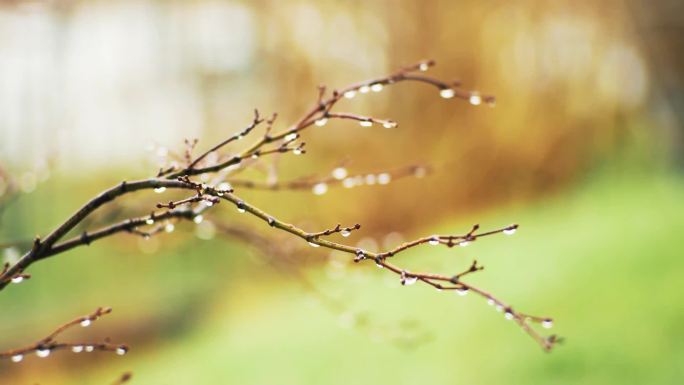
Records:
x=297, y=151
x=370, y=179
x=209, y=203
x=462, y=291
x=360, y=255
x=160, y=190
x=419, y=172
x=314, y=244
x=423, y=67
x=348, y=183
x=290, y=137
x=198, y=219
x=42, y=353
x=149, y=221
x=350, y=94
x=17, y=279
x=384, y=178
x=434, y=240
x=321, y=122
x=121, y=350
x=86, y=322
x=365, y=123
x=224, y=186
x=240, y=136
x=447, y=93
x=464, y=243
x=241, y=208
x=510, y=230
x=255, y=156
x=490, y=302
x=409, y=280
x=17, y=357
x=339, y=173
x=89, y=348
x=389, y=124
x=345, y=233
x=77, y=349
x=364, y=89
x=499, y=308
x=547, y=323
x=378, y=263
x=319, y=188
x=509, y=315
x=377, y=87
x=475, y=99
x=169, y=227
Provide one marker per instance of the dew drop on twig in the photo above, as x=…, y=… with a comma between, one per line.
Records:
x=475, y=99
x=510, y=231
x=447, y=93
x=384, y=178
x=339, y=173
x=319, y=188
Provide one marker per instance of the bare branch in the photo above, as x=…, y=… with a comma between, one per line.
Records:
x=45, y=346
x=275, y=143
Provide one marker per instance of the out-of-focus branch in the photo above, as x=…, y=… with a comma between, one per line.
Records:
x=338, y=177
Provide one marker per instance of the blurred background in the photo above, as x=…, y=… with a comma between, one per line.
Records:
x=583, y=149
